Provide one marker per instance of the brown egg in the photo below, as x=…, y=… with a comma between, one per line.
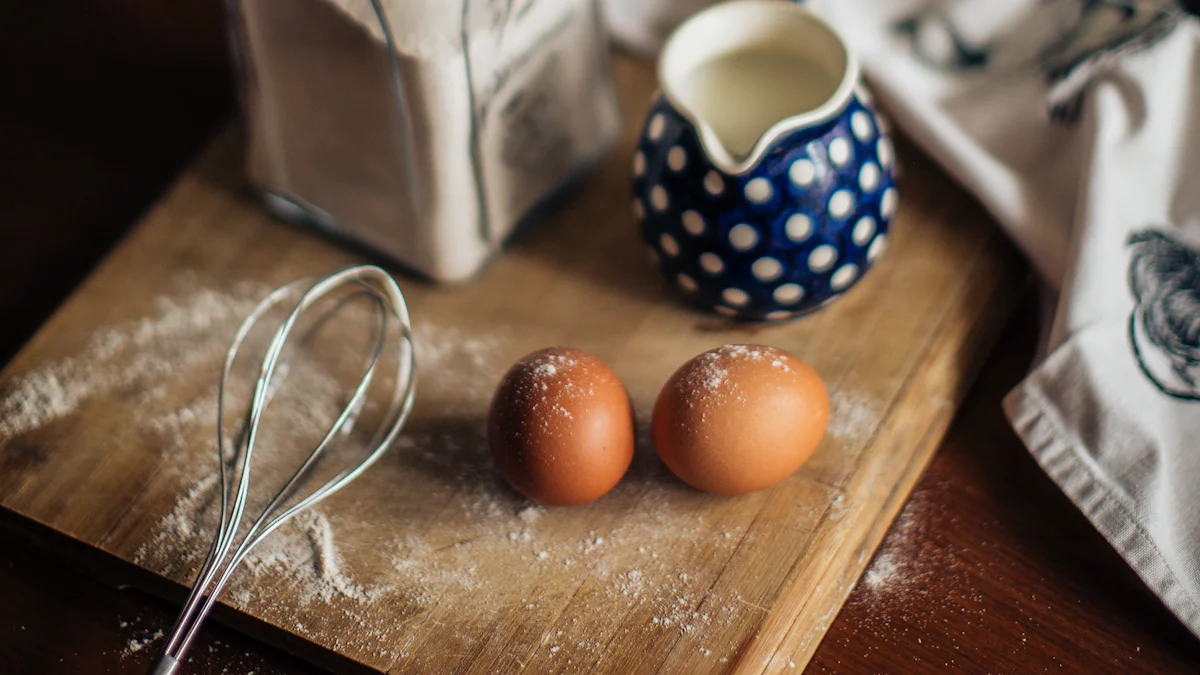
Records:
x=561, y=427
x=740, y=418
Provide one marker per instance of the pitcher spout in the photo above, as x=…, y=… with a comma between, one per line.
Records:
x=746, y=79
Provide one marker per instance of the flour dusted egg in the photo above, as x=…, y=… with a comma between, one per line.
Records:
x=740, y=418
x=561, y=427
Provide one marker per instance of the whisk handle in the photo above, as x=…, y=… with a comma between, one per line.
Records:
x=166, y=665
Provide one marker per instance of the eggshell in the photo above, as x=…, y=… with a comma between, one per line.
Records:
x=561, y=427
x=740, y=418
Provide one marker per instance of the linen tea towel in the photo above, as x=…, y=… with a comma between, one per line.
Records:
x=1077, y=124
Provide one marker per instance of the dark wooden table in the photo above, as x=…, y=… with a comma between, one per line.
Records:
x=988, y=568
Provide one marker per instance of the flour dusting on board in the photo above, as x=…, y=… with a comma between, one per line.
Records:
x=136, y=355
x=853, y=416
x=458, y=544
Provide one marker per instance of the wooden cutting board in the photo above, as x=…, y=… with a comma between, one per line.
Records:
x=429, y=563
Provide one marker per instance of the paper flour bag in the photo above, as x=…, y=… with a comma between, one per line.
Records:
x=424, y=129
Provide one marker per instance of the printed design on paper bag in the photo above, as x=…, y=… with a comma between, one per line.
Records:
x=534, y=124
x=515, y=54
x=1071, y=41
x=1164, y=328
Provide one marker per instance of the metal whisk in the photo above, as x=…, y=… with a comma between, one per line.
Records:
x=234, y=466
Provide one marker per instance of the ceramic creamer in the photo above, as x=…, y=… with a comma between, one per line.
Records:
x=763, y=178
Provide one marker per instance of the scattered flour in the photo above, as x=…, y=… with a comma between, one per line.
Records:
x=905, y=566
x=710, y=375
x=530, y=514
x=325, y=552
x=134, y=355
x=143, y=639
x=853, y=416
x=458, y=533
x=885, y=571
x=305, y=554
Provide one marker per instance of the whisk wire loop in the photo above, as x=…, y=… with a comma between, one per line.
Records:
x=219, y=564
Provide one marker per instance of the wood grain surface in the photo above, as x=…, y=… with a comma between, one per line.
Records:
x=988, y=568
x=654, y=575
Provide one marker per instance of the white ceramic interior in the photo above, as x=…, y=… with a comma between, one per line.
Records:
x=742, y=26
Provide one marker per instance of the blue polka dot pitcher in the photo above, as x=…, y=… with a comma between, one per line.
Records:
x=762, y=178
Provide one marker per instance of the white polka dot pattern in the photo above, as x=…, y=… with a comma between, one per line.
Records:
x=884, y=151
x=766, y=269
x=839, y=151
x=735, y=296
x=798, y=227
x=658, y=124
x=779, y=239
x=864, y=229
x=668, y=245
x=868, y=177
x=677, y=158
x=841, y=204
x=713, y=183
x=712, y=263
x=887, y=205
x=860, y=123
x=802, y=173
x=658, y=198
x=788, y=294
x=743, y=237
x=758, y=190
x=822, y=258
x=843, y=277
x=877, y=248
x=687, y=283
